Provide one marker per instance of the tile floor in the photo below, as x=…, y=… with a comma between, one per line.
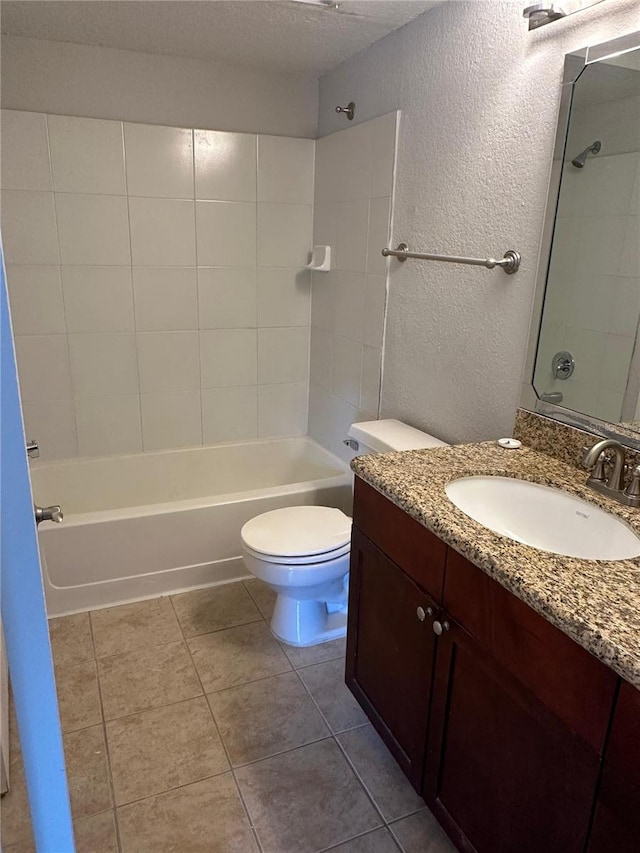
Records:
x=188, y=727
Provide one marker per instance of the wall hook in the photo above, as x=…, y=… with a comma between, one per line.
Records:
x=349, y=110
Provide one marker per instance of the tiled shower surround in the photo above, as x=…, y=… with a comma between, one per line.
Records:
x=352, y=214
x=156, y=280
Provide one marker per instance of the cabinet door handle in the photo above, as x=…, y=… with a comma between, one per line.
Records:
x=422, y=613
x=439, y=627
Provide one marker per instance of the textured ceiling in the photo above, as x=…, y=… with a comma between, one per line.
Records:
x=274, y=34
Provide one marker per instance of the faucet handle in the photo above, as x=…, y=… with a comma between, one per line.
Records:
x=633, y=489
x=599, y=470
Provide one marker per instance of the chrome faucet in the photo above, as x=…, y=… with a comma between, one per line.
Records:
x=612, y=484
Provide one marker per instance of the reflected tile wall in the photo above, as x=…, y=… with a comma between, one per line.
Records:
x=353, y=204
x=156, y=268
x=592, y=308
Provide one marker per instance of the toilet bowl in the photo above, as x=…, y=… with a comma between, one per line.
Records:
x=302, y=552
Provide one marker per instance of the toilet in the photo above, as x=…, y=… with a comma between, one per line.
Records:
x=302, y=552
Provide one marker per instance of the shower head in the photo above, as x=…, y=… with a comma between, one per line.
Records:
x=579, y=161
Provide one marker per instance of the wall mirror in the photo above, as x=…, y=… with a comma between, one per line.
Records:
x=583, y=364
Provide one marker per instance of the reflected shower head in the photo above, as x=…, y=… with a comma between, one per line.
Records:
x=579, y=161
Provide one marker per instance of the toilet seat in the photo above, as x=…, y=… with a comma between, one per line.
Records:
x=298, y=535
x=301, y=560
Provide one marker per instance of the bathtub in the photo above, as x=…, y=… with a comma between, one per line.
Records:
x=156, y=523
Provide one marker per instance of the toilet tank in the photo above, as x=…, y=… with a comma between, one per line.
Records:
x=390, y=434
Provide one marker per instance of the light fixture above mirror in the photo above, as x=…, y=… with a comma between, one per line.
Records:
x=539, y=14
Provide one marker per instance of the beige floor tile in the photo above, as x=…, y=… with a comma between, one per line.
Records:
x=71, y=640
x=305, y=800
x=163, y=748
x=205, y=610
x=147, y=678
x=87, y=772
x=237, y=655
x=421, y=833
x=379, y=841
x=266, y=717
x=133, y=626
x=96, y=834
x=325, y=682
x=15, y=825
x=387, y=784
x=308, y=655
x=20, y=847
x=263, y=595
x=206, y=817
x=78, y=696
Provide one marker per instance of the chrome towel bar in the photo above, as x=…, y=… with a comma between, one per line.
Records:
x=510, y=263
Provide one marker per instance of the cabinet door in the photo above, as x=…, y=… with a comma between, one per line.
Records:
x=503, y=774
x=390, y=652
x=616, y=825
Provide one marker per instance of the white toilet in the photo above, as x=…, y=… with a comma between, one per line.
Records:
x=302, y=552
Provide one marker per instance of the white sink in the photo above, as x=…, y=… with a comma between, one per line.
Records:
x=544, y=518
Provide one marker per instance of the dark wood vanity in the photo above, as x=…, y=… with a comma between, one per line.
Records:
x=518, y=739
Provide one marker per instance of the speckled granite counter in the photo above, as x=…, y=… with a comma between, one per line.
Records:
x=597, y=603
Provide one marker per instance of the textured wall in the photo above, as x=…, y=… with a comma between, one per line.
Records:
x=72, y=79
x=479, y=98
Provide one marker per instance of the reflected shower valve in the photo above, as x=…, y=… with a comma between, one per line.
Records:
x=563, y=364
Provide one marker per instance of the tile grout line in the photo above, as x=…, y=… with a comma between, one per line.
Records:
x=106, y=740
x=215, y=725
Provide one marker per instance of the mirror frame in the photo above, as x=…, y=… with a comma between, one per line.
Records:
x=575, y=63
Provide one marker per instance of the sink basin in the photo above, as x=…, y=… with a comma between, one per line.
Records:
x=544, y=518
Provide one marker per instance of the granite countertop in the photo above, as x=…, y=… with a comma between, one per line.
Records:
x=595, y=602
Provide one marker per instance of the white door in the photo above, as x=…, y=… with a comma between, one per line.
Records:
x=24, y=617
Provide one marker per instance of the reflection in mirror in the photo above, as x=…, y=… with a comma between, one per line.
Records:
x=588, y=357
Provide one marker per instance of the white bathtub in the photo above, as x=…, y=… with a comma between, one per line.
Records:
x=155, y=523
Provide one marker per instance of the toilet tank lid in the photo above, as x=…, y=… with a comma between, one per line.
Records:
x=390, y=434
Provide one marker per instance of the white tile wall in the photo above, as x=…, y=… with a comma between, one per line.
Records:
x=226, y=233
x=283, y=355
x=227, y=297
x=103, y=364
x=108, y=425
x=285, y=170
x=43, y=367
x=284, y=297
x=136, y=266
x=230, y=414
x=166, y=298
x=98, y=299
x=352, y=213
x=159, y=161
x=229, y=357
x=282, y=409
x=54, y=423
x=93, y=229
x=168, y=361
x=171, y=419
x=87, y=155
x=29, y=227
x=162, y=232
x=37, y=307
x=225, y=165
x=284, y=235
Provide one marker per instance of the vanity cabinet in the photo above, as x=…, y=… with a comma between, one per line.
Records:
x=497, y=717
x=616, y=825
x=390, y=642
